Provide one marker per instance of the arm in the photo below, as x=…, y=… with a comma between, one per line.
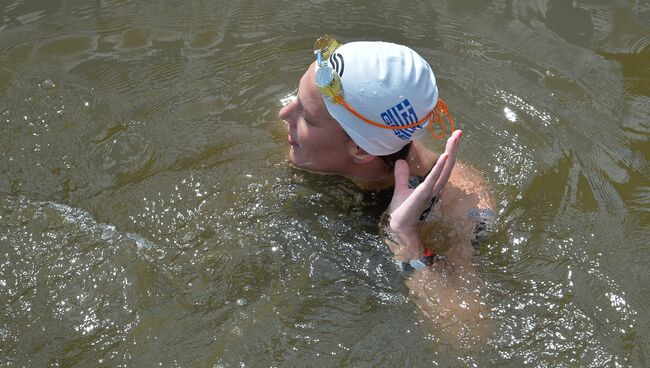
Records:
x=450, y=301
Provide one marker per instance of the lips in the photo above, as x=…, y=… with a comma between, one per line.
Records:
x=293, y=150
x=291, y=141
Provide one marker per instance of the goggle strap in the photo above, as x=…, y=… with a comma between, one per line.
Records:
x=440, y=109
x=433, y=117
x=347, y=106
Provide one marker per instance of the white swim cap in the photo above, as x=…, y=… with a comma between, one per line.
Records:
x=386, y=83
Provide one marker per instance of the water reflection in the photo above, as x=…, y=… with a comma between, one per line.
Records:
x=579, y=30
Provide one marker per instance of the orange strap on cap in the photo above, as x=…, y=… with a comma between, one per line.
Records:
x=435, y=116
x=441, y=109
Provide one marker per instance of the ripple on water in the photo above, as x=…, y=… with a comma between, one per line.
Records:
x=69, y=273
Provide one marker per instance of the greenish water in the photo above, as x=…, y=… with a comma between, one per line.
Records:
x=148, y=216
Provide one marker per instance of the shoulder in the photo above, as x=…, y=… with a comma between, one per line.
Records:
x=466, y=191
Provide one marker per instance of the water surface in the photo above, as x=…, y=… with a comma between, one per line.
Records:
x=148, y=216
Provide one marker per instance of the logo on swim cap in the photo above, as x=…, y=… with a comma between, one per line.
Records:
x=399, y=115
x=336, y=61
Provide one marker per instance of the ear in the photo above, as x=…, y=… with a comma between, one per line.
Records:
x=359, y=155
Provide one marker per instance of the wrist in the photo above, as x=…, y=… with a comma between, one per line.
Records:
x=408, y=238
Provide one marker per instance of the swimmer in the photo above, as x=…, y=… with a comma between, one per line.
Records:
x=361, y=110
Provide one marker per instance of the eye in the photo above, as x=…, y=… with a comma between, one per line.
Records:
x=302, y=112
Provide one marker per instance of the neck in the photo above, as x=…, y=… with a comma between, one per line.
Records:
x=373, y=175
x=420, y=159
x=376, y=174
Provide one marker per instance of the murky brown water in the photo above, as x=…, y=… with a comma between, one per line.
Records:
x=148, y=216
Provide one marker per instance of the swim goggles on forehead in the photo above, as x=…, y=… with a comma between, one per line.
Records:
x=329, y=83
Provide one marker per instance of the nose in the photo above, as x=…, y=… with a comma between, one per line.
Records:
x=288, y=112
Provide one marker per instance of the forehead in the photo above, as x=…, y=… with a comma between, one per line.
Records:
x=311, y=98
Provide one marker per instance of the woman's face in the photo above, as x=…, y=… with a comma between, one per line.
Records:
x=318, y=143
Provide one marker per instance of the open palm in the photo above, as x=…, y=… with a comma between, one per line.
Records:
x=408, y=204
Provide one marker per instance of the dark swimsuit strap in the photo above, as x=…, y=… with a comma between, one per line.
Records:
x=414, y=181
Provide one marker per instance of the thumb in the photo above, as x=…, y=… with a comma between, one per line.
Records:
x=401, y=175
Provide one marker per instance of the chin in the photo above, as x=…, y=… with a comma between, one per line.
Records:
x=293, y=159
x=298, y=163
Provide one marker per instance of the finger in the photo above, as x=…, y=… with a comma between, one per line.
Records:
x=432, y=177
x=420, y=197
x=444, y=178
x=401, y=175
x=453, y=142
x=452, y=149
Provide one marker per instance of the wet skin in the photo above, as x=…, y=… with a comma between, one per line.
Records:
x=317, y=141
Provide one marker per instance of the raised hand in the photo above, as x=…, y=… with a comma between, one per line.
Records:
x=408, y=204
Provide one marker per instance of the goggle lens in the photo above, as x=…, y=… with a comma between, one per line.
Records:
x=328, y=81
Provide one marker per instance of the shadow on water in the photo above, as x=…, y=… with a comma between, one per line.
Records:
x=148, y=215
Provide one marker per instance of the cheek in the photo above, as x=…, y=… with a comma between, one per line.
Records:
x=328, y=144
x=300, y=129
x=308, y=137
x=311, y=140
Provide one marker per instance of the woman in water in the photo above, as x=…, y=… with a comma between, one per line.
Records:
x=360, y=111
